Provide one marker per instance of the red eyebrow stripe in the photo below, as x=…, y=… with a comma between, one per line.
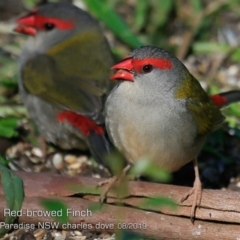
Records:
x=161, y=63
x=61, y=24
x=37, y=21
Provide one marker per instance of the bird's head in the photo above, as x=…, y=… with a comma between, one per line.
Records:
x=151, y=66
x=54, y=22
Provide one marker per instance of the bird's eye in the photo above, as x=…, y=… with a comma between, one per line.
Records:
x=49, y=26
x=147, y=68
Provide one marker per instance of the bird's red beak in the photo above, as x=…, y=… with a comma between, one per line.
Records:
x=124, y=72
x=27, y=24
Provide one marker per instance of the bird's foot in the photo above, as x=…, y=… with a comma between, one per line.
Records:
x=196, y=191
x=110, y=182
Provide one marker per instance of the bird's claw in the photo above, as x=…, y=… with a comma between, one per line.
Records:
x=197, y=192
x=110, y=182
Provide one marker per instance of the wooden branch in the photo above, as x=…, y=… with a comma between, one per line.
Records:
x=216, y=205
x=148, y=224
x=220, y=206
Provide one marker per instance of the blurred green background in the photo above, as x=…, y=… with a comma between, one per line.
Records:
x=204, y=34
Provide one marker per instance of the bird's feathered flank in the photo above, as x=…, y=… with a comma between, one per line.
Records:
x=207, y=116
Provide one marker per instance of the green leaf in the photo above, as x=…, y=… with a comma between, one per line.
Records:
x=84, y=189
x=196, y=6
x=159, y=202
x=9, y=122
x=3, y=161
x=2, y=99
x=210, y=47
x=13, y=192
x=116, y=162
x=29, y=3
x=214, y=47
x=9, y=83
x=140, y=14
x=8, y=127
x=95, y=207
x=113, y=21
x=127, y=235
x=160, y=12
x=8, y=132
x=17, y=111
x=145, y=167
x=233, y=109
x=57, y=209
x=213, y=89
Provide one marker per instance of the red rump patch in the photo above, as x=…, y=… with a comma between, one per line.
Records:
x=85, y=125
x=219, y=100
x=161, y=63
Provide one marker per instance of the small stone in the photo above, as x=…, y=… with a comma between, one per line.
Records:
x=28, y=153
x=35, y=159
x=77, y=233
x=96, y=175
x=70, y=234
x=233, y=70
x=39, y=233
x=74, y=166
x=57, y=161
x=232, y=179
x=64, y=233
x=77, y=238
x=82, y=159
x=58, y=236
x=14, y=151
x=70, y=159
x=37, y=152
x=105, y=236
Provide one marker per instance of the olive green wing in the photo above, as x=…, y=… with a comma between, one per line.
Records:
x=69, y=77
x=86, y=56
x=207, y=116
x=41, y=78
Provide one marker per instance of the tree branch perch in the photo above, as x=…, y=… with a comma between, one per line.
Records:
x=217, y=207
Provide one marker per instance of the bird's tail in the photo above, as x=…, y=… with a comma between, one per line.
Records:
x=226, y=98
x=97, y=139
x=100, y=147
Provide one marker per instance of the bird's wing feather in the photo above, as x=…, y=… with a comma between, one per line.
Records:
x=207, y=116
x=76, y=85
x=87, y=55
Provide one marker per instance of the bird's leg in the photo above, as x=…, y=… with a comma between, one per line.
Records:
x=196, y=190
x=111, y=181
